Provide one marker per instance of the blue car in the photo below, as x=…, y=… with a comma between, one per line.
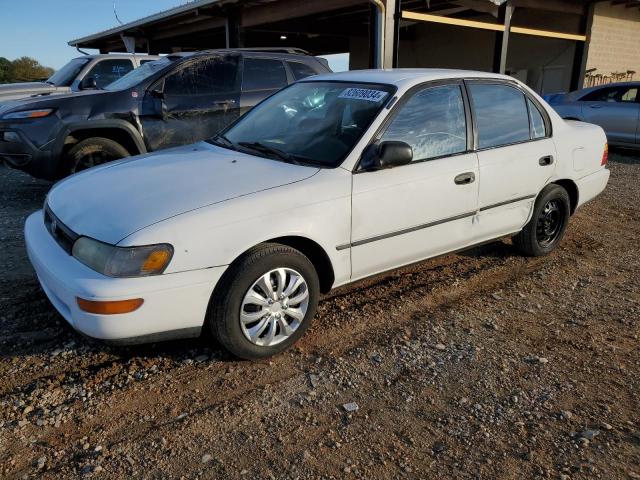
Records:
x=614, y=106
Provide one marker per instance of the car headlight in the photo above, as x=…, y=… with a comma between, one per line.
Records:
x=122, y=261
x=45, y=112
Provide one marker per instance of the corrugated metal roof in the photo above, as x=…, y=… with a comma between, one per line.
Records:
x=191, y=5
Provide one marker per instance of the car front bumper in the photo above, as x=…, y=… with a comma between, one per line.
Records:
x=174, y=305
x=20, y=153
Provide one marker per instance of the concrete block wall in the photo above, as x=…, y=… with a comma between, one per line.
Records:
x=615, y=39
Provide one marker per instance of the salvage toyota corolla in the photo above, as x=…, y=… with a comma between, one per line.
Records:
x=332, y=179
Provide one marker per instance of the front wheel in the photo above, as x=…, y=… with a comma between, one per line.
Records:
x=92, y=152
x=548, y=223
x=264, y=302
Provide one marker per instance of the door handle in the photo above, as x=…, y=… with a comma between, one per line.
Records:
x=595, y=105
x=465, y=178
x=546, y=160
x=224, y=102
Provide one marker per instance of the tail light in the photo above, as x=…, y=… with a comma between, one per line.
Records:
x=605, y=155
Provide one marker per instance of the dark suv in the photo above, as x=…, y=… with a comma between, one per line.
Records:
x=179, y=99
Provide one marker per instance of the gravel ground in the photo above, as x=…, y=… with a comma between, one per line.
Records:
x=482, y=364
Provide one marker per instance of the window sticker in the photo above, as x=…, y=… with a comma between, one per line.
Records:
x=364, y=94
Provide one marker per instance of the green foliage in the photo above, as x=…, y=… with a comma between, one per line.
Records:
x=23, y=69
x=6, y=70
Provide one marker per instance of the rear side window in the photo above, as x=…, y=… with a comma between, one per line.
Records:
x=209, y=76
x=612, y=94
x=263, y=74
x=432, y=122
x=538, y=129
x=301, y=70
x=501, y=114
x=108, y=71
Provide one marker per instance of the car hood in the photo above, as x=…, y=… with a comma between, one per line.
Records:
x=13, y=91
x=111, y=202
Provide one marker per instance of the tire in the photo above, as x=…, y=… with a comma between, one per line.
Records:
x=229, y=305
x=93, y=151
x=548, y=222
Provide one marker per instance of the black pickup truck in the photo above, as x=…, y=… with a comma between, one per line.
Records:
x=179, y=99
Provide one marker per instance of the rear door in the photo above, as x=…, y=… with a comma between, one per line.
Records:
x=200, y=98
x=616, y=110
x=261, y=77
x=515, y=153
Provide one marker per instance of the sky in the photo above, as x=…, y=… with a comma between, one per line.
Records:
x=42, y=28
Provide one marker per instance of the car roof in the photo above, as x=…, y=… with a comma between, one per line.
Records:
x=403, y=76
x=265, y=52
x=118, y=55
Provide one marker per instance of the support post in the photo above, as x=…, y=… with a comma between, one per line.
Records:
x=581, y=53
x=234, y=37
x=377, y=33
x=502, y=38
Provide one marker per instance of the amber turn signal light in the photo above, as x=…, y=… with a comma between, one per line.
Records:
x=109, y=307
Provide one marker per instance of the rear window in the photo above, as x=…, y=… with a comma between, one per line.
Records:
x=501, y=114
x=301, y=70
x=263, y=74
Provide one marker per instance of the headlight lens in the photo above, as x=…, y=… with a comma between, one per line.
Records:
x=45, y=112
x=122, y=261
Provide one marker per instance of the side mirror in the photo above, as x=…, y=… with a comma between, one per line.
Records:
x=386, y=155
x=89, y=83
x=159, y=105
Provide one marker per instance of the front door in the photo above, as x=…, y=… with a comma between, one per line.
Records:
x=616, y=110
x=404, y=214
x=515, y=154
x=192, y=103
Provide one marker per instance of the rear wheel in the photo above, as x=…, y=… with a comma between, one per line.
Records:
x=548, y=223
x=93, y=151
x=264, y=302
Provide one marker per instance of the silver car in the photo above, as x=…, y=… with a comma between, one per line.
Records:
x=614, y=106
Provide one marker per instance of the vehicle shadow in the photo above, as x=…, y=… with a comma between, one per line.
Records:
x=624, y=155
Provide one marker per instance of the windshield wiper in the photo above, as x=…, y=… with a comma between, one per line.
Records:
x=223, y=141
x=262, y=148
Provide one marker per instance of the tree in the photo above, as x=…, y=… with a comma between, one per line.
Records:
x=27, y=69
x=6, y=70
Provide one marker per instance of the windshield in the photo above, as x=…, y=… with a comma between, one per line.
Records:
x=134, y=77
x=314, y=123
x=67, y=74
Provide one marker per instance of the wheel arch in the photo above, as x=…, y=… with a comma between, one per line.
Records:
x=572, y=189
x=117, y=130
x=312, y=250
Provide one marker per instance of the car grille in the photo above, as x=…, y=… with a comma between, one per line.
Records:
x=59, y=231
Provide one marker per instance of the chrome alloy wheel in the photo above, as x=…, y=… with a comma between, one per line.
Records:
x=274, y=307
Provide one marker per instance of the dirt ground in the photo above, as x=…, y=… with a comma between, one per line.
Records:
x=482, y=364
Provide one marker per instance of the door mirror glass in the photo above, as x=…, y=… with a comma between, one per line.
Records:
x=386, y=155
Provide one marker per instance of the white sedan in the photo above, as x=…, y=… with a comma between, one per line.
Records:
x=333, y=179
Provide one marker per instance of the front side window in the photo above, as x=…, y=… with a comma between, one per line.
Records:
x=108, y=71
x=263, y=74
x=501, y=114
x=612, y=94
x=207, y=76
x=316, y=123
x=432, y=122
